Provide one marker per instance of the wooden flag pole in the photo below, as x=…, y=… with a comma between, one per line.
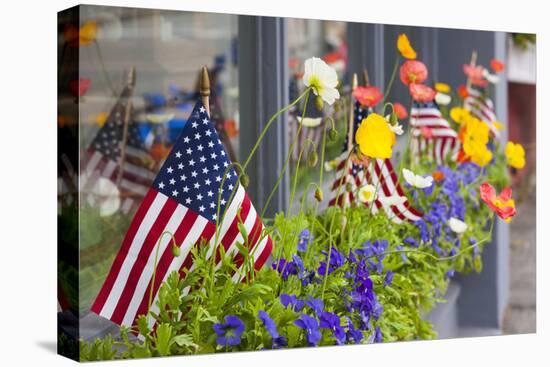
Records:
x=366, y=77
x=131, y=83
x=205, y=89
x=473, y=61
x=351, y=117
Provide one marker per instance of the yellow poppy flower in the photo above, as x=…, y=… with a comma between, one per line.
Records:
x=459, y=114
x=498, y=125
x=475, y=136
x=101, y=118
x=442, y=87
x=405, y=48
x=515, y=155
x=375, y=138
x=482, y=156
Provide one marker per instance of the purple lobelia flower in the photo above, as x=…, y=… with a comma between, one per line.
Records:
x=388, y=278
x=331, y=321
x=278, y=341
x=311, y=328
x=337, y=260
x=316, y=304
x=377, y=335
x=411, y=242
x=229, y=333
x=285, y=268
x=304, y=239
x=354, y=334
x=291, y=300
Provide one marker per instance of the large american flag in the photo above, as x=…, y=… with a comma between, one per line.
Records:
x=102, y=159
x=442, y=141
x=182, y=201
x=481, y=106
x=380, y=174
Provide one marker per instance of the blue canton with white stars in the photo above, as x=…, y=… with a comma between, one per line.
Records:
x=193, y=172
x=359, y=114
x=108, y=138
x=425, y=105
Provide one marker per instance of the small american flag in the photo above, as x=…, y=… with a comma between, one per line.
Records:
x=441, y=142
x=482, y=107
x=380, y=174
x=103, y=158
x=183, y=201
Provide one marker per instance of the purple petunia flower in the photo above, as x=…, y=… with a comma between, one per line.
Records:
x=285, y=268
x=229, y=333
x=411, y=242
x=354, y=334
x=304, y=239
x=311, y=328
x=331, y=321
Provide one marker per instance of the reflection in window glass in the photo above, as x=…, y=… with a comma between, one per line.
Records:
x=166, y=49
x=327, y=40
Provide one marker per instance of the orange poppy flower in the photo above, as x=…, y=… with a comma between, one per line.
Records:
x=421, y=93
x=438, y=176
x=497, y=65
x=413, y=71
x=80, y=37
x=462, y=91
x=368, y=96
x=503, y=204
x=400, y=110
x=475, y=74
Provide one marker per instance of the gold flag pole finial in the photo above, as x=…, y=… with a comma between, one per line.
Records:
x=366, y=77
x=205, y=89
x=132, y=77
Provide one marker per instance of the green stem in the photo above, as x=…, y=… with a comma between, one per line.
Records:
x=104, y=69
x=392, y=78
x=290, y=150
x=155, y=266
x=264, y=131
x=295, y=180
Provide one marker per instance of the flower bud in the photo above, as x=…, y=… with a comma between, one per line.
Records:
x=176, y=251
x=319, y=103
x=319, y=194
x=393, y=118
x=245, y=180
x=312, y=158
x=332, y=134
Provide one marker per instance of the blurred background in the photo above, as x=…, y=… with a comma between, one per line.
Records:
x=255, y=65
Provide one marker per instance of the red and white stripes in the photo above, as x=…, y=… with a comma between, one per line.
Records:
x=125, y=293
x=482, y=107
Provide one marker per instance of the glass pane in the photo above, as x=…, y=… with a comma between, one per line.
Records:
x=327, y=40
x=139, y=70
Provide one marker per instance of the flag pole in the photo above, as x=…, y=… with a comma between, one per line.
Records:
x=131, y=82
x=205, y=89
x=366, y=77
x=351, y=117
x=473, y=61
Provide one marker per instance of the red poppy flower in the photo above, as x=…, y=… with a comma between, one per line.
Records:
x=332, y=57
x=230, y=127
x=497, y=65
x=462, y=91
x=413, y=71
x=400, y=110
x=503, y=204
x=79, y=87
x=475, y=74
x=368, y=96
x=462, y=157
x=422, y=93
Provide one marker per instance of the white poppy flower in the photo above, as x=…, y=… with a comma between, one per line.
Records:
x=397, y=129
x=159, y=118
x=108, y=196
x=322, y=78
x=310, y=121
x=392, y=200
x=417, y=180
x=367, y=194
x=457, y=225
x=491, y=78
x=330, y=165
x=442, y=99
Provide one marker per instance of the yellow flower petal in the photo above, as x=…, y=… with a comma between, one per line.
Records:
x=375, y=138
x=405, y=48
x=442, y=87
x=515, y=155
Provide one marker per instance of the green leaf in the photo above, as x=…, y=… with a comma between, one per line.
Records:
x=164, y=339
